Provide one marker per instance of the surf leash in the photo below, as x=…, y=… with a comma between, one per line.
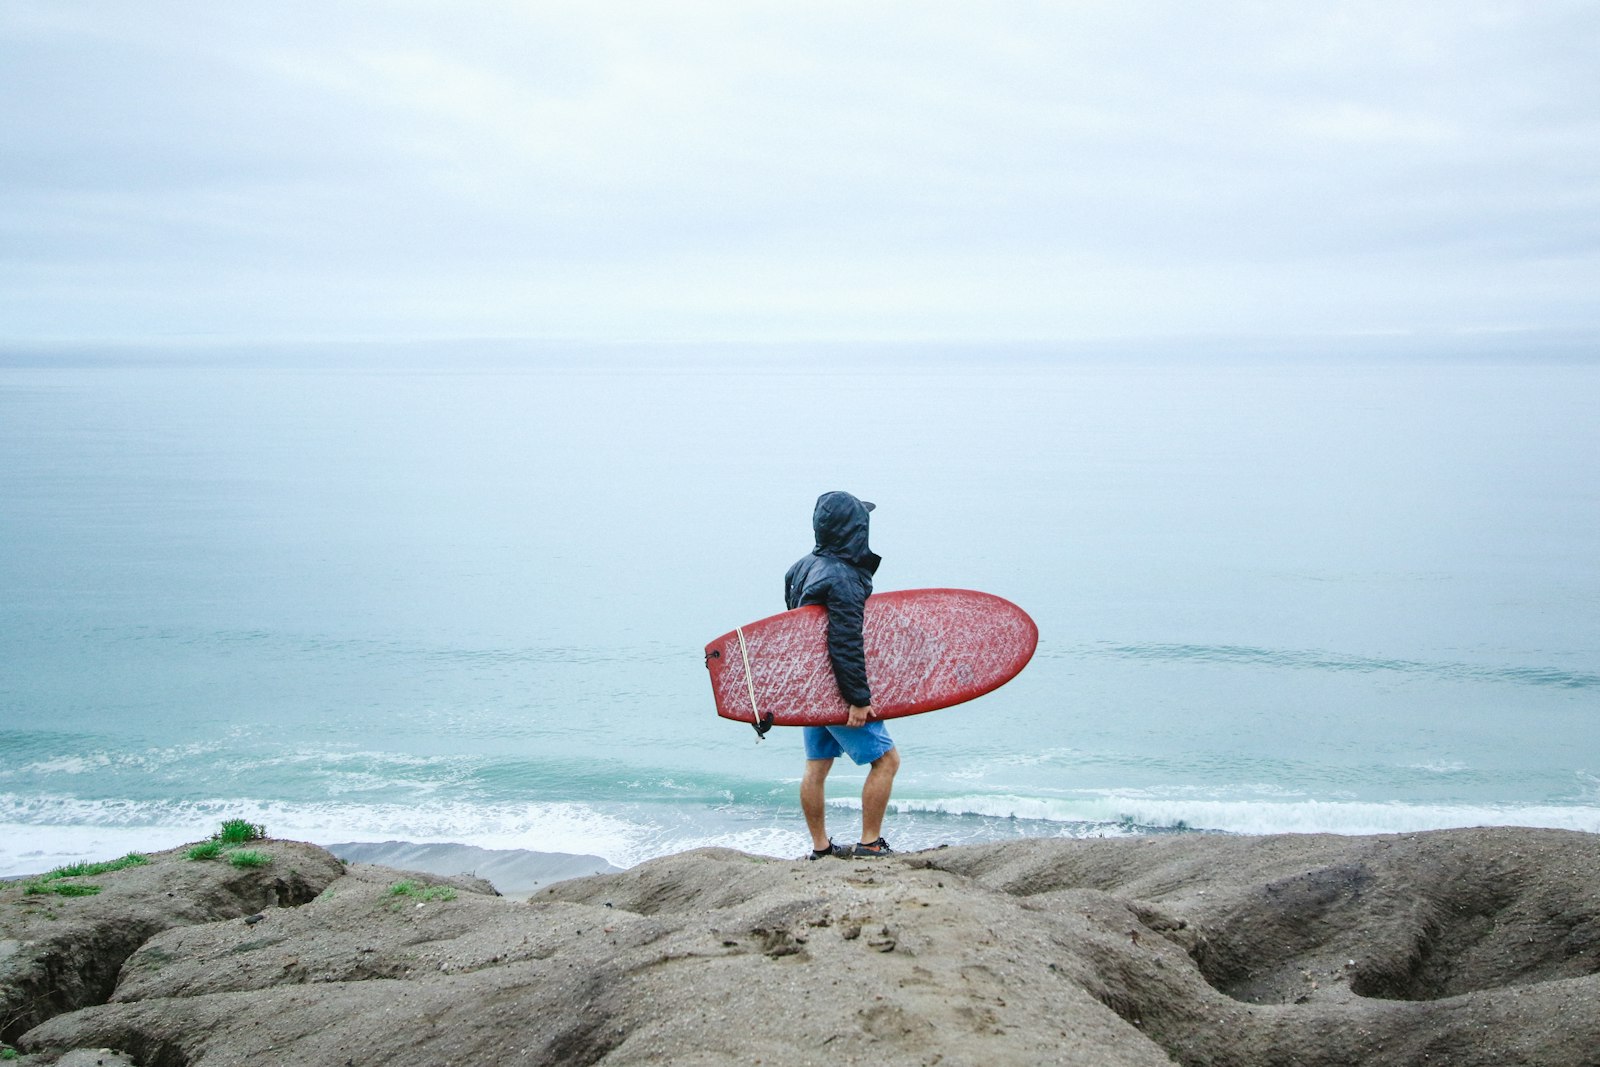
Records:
x=762, y=726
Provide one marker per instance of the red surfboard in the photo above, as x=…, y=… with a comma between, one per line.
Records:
x=926, y=649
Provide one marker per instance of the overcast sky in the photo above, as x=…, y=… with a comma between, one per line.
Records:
x=797, y=170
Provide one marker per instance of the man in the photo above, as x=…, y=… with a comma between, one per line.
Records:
x=838, y=575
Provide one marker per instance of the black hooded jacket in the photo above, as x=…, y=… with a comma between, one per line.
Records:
x=838, y=575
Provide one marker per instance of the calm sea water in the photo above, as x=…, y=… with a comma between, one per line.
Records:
x=461, y=596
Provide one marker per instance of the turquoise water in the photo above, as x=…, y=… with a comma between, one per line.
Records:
x=461, y=595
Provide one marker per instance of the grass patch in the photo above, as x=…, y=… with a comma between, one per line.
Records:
x=89, y=870
x=422, y=893
x=55, y=882
x=60, y=889
x=229, y=836
x=249, y=858
x=239, y=832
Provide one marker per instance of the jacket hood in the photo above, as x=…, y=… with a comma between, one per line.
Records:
x=840, y=523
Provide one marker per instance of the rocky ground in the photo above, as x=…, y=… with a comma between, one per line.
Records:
x=1454, y=947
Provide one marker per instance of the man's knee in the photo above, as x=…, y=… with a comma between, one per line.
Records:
x=889, y=762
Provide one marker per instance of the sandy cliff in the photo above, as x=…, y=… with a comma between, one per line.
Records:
x=1455, y=947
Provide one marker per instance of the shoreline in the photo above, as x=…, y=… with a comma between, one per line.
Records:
x=32, y=841
x=515, y=873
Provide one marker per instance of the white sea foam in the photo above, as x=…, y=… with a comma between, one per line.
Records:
x=96, y=762
x=33, y=849
x=1265, y=816
x=40, y=832
x=63, y=765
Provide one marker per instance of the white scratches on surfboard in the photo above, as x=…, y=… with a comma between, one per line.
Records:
x=957, y=640
x=920, y=649
x=794, y=662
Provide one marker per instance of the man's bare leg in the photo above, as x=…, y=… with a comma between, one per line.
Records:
x=875, y=795
x=812, y=795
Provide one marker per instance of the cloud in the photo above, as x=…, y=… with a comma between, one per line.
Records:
x=912, y=170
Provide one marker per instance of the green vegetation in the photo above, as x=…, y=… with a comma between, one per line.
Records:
x=41, y=887
x=55, y=882
x=238, y=832
x=7, y=1052
x=422, y=893
x=230, y=836
x=89, y=870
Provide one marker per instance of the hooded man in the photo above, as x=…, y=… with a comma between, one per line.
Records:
x=838, y=575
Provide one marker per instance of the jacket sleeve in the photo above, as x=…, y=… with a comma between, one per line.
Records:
x=847, y=604
x=791, y=594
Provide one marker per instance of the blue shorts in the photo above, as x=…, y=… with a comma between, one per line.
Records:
x=863, y=744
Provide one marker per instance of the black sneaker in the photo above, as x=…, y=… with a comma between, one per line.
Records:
x=880, y=847
x=837, y=851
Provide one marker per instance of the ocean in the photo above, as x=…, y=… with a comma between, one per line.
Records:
x=458, y=593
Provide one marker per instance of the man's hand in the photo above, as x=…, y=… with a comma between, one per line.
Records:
x=859, y=716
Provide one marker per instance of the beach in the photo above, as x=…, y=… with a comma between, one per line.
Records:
x=1473, y=946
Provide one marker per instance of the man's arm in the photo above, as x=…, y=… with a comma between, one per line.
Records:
x=791, y=583
x=846, y=605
